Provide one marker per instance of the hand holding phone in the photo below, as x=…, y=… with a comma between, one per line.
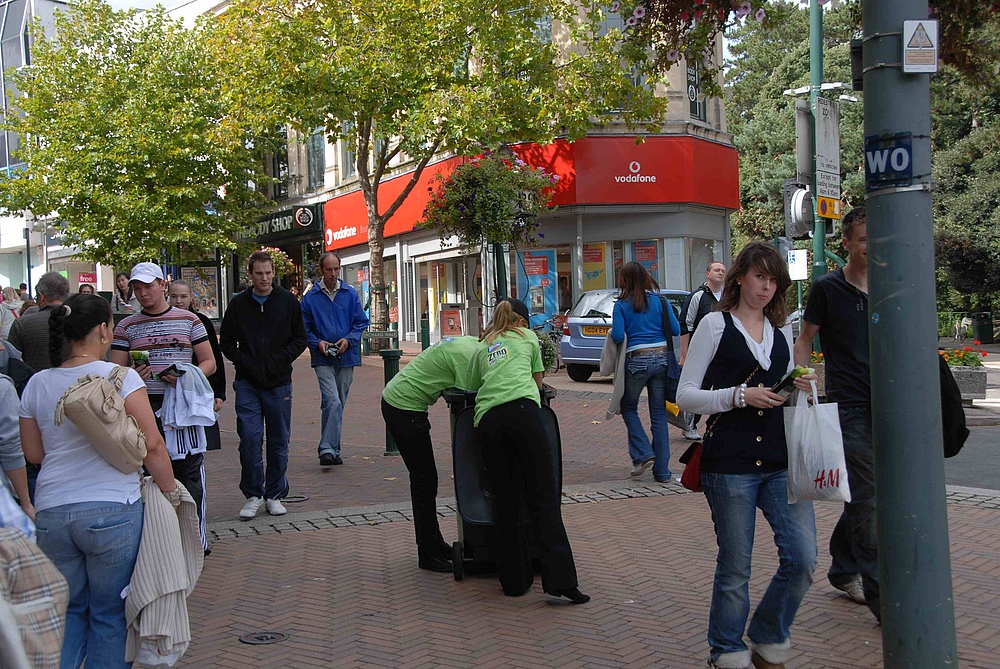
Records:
x=787, y=383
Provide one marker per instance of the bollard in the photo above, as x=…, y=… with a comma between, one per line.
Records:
x=425, y=334
x=390, y=358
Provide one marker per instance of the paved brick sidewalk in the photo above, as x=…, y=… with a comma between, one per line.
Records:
x=592, y=452
x=353, y=597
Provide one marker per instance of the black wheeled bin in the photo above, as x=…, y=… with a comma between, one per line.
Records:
x=475, y=552
x=982, y=328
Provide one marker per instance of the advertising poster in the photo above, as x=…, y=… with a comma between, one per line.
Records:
x=88, y=278
x=451, y=323
x=204, y=282
x=594, y=266
x=537, y=284
x=645, y=253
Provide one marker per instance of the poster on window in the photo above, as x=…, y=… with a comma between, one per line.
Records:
x=537, y=281
x=204, y=282
x=595, y=267
x=645, y=253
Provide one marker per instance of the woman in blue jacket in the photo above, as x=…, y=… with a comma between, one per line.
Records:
x=638, y=313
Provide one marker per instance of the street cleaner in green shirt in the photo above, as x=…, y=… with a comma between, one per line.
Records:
x=520, y=466
x=405, y=401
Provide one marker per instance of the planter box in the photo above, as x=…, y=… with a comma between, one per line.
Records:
x=972, y=383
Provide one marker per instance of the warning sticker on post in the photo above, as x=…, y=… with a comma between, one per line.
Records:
x=920, y=46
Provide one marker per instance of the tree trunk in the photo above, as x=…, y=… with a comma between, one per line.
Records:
x=376, y=278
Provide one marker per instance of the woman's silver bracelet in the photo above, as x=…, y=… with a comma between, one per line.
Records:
x=741, y=396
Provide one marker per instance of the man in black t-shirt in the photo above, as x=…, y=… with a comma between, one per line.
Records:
x=838, y=311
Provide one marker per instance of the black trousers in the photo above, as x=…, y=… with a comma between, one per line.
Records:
x=411, y=431
x=521, y=467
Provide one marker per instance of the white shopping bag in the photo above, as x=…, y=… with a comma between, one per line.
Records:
x=816, y=467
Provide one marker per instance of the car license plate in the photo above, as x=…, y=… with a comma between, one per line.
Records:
x=596, y=329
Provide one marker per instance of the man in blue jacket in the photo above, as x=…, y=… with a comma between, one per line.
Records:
x=334, y=320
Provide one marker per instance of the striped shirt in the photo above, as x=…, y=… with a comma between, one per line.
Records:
x=170, y=338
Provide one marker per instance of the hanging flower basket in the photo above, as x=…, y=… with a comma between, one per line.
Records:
x=283, y=265
x=490, y=199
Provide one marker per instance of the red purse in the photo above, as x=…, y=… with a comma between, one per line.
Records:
x=691, y=477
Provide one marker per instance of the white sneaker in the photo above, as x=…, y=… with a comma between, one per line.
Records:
x=692, y=435
x=853, y=589
x=275, y=507
x=251, y=508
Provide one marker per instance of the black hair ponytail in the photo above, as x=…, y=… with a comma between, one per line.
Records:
x=57, y=326
x=73, y=320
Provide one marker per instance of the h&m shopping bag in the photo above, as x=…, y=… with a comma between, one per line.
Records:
x=816, y=467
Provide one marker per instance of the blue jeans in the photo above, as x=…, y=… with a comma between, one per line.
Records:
x=734, y=500
x=853, y=544
x=334, y=384
x=94, y=545
x=650, y=372
x=260, y=412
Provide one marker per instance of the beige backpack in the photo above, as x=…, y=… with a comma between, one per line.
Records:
x=95, y=405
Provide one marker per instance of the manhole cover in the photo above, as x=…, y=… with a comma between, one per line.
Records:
x=263, y=638
x=295, y=499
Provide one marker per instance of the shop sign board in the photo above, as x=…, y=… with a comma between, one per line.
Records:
x=451, y=323
x=89, y=278
x=286, y=223
x=535, y=264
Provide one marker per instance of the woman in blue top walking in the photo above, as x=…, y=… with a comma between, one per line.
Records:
x=638, y=313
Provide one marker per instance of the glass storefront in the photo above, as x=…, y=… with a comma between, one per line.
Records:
x=701, y=252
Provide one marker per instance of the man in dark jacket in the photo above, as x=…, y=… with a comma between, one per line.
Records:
x=262, y=334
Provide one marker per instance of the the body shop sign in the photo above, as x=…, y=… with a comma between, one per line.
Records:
x=278, y=226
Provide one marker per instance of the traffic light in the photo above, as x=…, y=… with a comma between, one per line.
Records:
x=798, y=210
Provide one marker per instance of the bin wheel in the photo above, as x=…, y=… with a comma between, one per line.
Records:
x=457, y=561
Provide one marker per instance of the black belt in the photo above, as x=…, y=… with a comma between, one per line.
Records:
x=659, y=350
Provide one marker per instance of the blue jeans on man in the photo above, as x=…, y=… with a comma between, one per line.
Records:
x=853, y=544
x=260, y=414
x=734, y=500
x=334, y=385
x=649, y=372
x=94, y=545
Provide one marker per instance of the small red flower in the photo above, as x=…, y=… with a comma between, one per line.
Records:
x=984, y=354
x=967, y=348
x=977, y=343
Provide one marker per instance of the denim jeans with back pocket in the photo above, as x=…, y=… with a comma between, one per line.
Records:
x=649, y=372
x=94, y=545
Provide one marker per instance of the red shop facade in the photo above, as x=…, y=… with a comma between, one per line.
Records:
x=664, y=202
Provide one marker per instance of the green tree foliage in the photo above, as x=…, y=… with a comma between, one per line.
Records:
x=765, y=60
x=127, y=141
x=669, y=29
x=412, y=78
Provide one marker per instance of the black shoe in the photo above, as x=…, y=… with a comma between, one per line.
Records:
x=572, y=594
x=337, y=460
x=446, y=551
x=208, y=551
x=327, y=459
x=436, y=564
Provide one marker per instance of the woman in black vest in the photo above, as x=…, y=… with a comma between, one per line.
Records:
x=746, y=349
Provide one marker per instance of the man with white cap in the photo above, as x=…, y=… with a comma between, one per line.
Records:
x=169, y=337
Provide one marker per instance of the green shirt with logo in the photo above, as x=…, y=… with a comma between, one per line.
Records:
x=506, y=367
x=444, y=365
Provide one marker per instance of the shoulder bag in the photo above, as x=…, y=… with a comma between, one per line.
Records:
x=691, y=458
x=673, y=368
x=94, y=404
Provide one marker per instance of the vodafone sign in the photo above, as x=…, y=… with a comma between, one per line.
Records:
x=635, y=175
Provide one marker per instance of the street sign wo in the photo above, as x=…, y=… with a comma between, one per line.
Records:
x=888, y=161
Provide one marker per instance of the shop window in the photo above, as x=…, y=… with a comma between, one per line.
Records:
x=702, y=252
x=595, y=266
x=279, y=166
x=647, y=254
x=316, y=159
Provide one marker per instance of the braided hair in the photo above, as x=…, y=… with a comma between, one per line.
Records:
x=73, y=320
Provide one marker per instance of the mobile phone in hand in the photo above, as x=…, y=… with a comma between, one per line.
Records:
x=172, y=369
x=787, y=384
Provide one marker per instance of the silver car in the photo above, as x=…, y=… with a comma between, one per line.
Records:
x=588, y=324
